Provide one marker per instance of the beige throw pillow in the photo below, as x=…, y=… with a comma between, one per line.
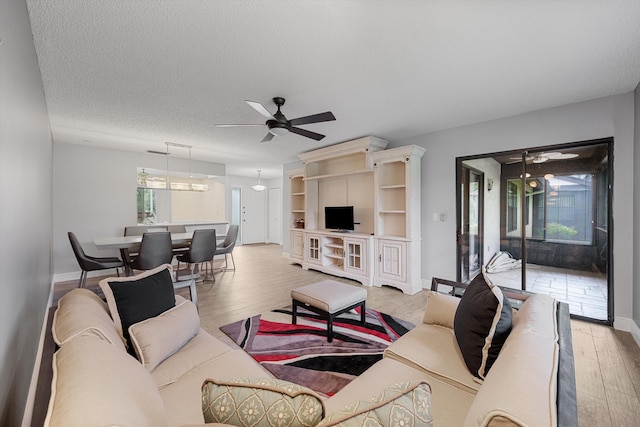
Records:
x=157, y=338
x=441, y=309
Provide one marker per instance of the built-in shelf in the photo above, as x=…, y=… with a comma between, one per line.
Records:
x=394, y=211
x=383, y=186
x=334, y=245
x=339, y=175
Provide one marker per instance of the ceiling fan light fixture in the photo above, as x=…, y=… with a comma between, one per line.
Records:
x=259, y=186
x=540, y=159
x=279, y=131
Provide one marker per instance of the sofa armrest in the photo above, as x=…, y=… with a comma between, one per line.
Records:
x=567, y=399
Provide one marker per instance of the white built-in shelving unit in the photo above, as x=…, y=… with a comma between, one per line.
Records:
x=383, y=186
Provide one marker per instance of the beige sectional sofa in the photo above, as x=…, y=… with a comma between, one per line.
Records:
x=97, y=382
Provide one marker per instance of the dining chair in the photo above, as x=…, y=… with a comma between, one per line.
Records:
x=201, y=250
x=88, y=263
x=135, y=230
x=178, y=248
x=226, y=247
x=155, y=250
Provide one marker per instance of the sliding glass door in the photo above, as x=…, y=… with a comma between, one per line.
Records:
x=554, y=218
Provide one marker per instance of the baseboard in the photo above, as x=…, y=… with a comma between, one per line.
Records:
x=31, y=396
x=635, y=332
x=75, y=275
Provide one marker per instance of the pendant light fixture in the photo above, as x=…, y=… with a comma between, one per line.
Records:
x=259, y=186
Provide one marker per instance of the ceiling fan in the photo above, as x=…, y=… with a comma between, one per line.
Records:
x=543, y=157
x=279, y=125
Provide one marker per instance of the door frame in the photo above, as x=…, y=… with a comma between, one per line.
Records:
x=459, y=168
x=610, y=141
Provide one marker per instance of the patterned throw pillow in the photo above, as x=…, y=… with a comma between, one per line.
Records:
x=405, y=404
x=260, y=402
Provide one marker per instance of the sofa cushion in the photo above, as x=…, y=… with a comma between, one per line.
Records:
x=401, y=404
x=81, y=312
x=449, y=403
x=94, y=383
x=137, y=298
x=440, y=309
x=433, y=349
x=183, y=397
x=197, y=351
x=159, y=337
x=482, y=324
x=260, y=402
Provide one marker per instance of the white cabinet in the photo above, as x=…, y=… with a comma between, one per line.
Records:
x=383, y=186
x=312, y=249
x=341, y=254
x=297, y=246
x=391, y=256
x=356, y=256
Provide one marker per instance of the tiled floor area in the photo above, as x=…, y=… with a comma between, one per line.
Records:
x=584, y=291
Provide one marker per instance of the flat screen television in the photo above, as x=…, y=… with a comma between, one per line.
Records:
x=338, y=218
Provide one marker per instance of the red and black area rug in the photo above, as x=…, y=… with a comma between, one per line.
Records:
x=301, y=354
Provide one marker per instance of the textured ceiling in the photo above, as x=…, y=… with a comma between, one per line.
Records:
x=134, y=74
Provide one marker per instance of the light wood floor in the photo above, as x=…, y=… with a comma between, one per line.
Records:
x=607, y=361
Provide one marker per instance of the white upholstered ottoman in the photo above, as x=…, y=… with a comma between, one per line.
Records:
x=328, y=299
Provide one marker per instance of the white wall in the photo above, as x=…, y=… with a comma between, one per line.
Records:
x=193, y=206
x=25, y=209
x=636, y=215
x=95, y=194
x=599, y=118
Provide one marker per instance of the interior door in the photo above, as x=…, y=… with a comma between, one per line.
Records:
x=275, y=215
x=253, y=216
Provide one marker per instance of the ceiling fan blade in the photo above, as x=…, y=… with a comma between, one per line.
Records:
x=314, y=118
x=233, y=126
x=260, y=109
x=307, y=133
x=561, y=156
x=268, y=137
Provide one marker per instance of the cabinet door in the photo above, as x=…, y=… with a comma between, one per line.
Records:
x=355, y=256
x=392, y=260
x=312, y=252
x=297, y=245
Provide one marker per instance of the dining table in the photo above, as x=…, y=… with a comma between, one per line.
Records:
x=128, y=245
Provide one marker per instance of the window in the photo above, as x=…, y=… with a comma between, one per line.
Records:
x=556, y=209
x=147, y=206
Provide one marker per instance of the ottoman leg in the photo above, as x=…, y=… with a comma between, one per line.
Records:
x=294, y=312
x=330, y=328
x=363, y=312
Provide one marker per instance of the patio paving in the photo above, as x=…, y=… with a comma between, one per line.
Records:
x=584, y=291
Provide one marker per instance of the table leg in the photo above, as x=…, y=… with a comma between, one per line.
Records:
x=126, y=258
